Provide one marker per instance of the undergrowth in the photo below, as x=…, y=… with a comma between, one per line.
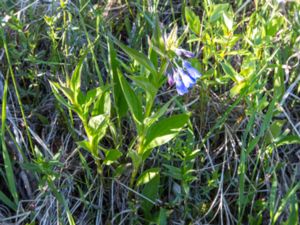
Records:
x=102, y=121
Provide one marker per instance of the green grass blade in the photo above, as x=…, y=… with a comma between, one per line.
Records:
x=7, y=201
x=287, y=198
x=7, y=161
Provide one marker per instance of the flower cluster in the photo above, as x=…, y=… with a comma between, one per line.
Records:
x=186, y=76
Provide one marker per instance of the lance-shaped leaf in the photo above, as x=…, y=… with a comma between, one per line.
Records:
x=133, y=102
x=75, y=81
x=9, y=173
x=160, y=112
x=192, y=20
x=118, y=96
x=229, y=70
x=138, y=56
x=56, y=87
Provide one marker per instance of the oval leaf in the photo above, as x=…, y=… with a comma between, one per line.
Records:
x=164, y=130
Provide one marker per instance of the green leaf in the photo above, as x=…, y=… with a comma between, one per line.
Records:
x=118, y=96
x=150, y=90
x=96, y=130
x=279, y=86
x=191, y=156
x=275, y=130
x=172, y=38
x=268, y=117
x=67, y=92
x=96, y=122
x=157, y=37
x=144, y=83
x=217, y=12
x=192, y=20
x=161, y=111
x=150, y=190
x=147, y=176
x=272, y=198
x=135, y=158
x=162, y=217
x=9, y=172
x=237, y=88
x=274, y=25
x=112, y=156
x=228, y=20
x=55, y=89
x=229, y=70
x=133, y=102
x=4, y=199
x=164, y=130
x=102, y=105
x=85, y=145
x=293, y=217
x=287, y=140
x=174, y=172
x=138, y=56
x=89, y=99
x=287, y=198
x=75, y=81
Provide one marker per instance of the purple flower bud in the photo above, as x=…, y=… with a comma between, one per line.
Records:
x=171, y=81
x=184, y=53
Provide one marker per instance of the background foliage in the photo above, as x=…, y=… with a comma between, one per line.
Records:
x=91, y=133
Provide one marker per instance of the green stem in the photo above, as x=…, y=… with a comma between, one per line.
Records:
x=132, y=179
x=99, y=167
